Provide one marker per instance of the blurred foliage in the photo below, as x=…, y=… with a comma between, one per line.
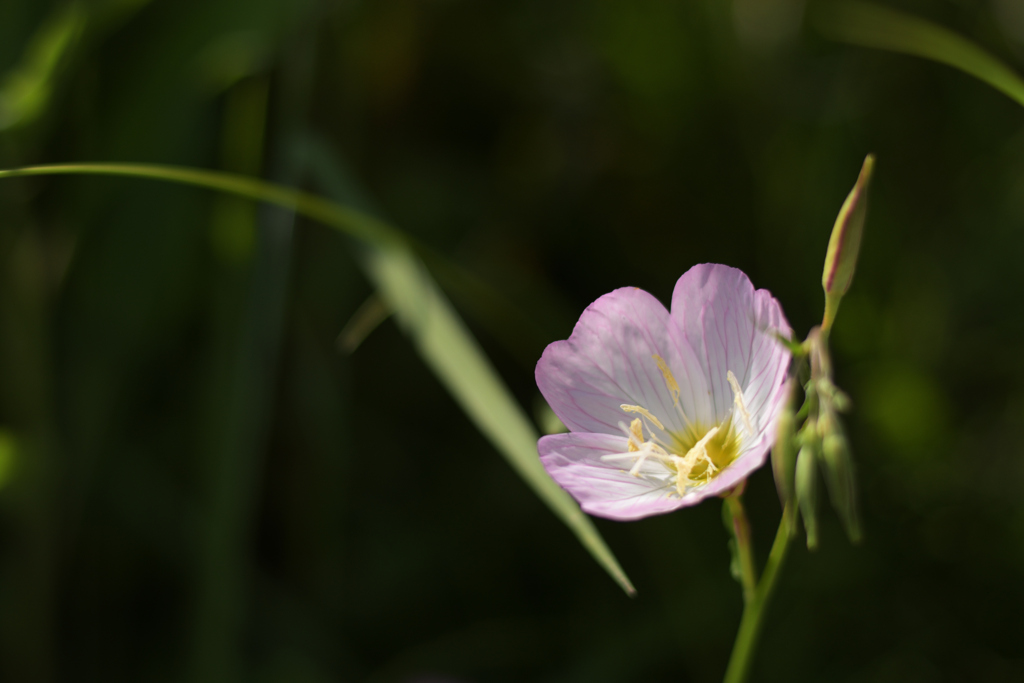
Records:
x=196, y=485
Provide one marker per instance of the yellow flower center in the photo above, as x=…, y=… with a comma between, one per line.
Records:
x=691, y=457
x=718, y=451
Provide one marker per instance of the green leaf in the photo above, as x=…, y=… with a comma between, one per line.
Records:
x=451, y=352
x=8, y=454
x=425, y=314
x=26, y=89
x=870, y=25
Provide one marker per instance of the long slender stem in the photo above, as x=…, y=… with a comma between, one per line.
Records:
x=744, y=546
x=753, y=611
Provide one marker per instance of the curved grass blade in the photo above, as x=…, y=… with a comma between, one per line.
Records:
x=26, y=89
x=870, y=25
x=425, y=313
x=450, y=350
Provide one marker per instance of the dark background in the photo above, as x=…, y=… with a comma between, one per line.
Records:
x=198, y=486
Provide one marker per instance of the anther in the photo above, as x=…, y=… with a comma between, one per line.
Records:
x=670, y=380
x=642, y=411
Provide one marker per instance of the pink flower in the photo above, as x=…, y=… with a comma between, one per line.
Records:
x=665, y=409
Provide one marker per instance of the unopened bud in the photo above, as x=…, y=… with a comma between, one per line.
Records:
x=842, y=483
x=831, y=395
x=840, y=401
x=826, y=421
x=807, y=493
x=844, y=245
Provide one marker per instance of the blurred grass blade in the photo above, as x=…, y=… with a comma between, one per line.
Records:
x=422, y=310
x=874, y=26
x=450, y=350
x=26, y=89
x=365, y=320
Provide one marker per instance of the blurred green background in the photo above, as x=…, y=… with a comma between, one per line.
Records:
x=197, y=485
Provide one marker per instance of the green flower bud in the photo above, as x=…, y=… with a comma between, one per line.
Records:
x=807, y=493
x=840, y=476
x=844, y=245
x=784, y=450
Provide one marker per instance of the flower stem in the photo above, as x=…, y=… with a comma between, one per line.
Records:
x=750, y=624
x=744, y=547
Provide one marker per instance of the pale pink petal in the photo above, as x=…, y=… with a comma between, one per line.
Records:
x=754, y=455
x=607, y=489
x=730, y=327
x=694, y=390
x=609, y=361
x=764, y=391
x=602, y=488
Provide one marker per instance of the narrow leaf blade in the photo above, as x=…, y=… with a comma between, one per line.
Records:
x=420, y=306
x=451, y=352
x=874, y=26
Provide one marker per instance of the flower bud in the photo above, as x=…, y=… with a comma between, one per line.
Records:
x=840, y=475
x=784, y=450
x=807, y=493
x=844, y=245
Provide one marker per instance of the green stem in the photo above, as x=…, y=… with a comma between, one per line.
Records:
x=753, y=611
x=744, y=547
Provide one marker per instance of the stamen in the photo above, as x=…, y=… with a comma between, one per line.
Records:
x=670, y=380
x=710, y=470
x=636, y=434
x=685, y=464
x=738, y=401
x=682, y=473
x=635, y=469
x=699, y=448
x=642, y=411
x=640, y=454
x=619, y=456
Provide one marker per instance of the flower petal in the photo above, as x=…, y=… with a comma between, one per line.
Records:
x=730, y=327
x=603, y=488
x=606, y=489
x=740, y=468
x=609, y=361
x=764, y=391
